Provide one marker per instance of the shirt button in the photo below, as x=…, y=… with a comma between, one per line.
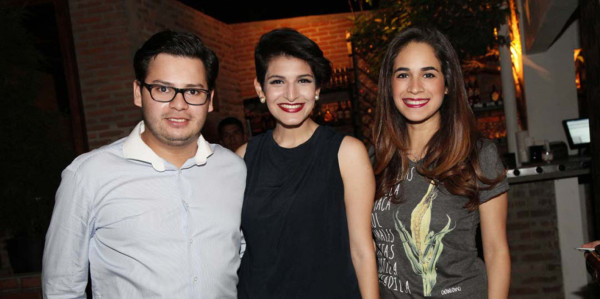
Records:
x=195, y=278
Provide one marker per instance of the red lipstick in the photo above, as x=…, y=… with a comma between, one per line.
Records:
x=415, y=102
x=291, y=108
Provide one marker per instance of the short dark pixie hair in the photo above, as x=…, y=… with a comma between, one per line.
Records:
x=290, y=42
x=178, y=44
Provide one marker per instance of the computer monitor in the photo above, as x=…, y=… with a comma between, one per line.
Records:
x=578, y=132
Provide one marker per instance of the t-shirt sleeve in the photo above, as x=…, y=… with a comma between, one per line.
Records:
x=492, y=167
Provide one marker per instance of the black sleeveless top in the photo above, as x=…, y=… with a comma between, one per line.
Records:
x=294, y=221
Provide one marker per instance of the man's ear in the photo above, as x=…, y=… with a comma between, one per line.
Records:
x=210, y=102
x=258, y=88
x=137, y=93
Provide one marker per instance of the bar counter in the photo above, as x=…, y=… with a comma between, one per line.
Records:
x=547, y=219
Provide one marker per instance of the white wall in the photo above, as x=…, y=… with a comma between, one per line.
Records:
x=550, y=90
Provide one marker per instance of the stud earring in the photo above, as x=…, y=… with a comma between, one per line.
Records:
x=263, y=100
x=316, y=97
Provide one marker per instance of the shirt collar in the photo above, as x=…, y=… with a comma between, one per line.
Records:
x=136, y=149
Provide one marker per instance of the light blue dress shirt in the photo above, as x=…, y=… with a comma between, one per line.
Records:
x=146, y=228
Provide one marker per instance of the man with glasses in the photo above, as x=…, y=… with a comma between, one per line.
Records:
x=155, y=214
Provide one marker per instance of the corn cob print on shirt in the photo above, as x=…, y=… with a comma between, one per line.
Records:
x=426, y=244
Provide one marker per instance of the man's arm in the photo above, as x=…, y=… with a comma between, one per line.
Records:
x=65, y=263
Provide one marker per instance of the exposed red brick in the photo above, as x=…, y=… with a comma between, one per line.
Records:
x=9, y=283
x=31, y=282
x=22, y=295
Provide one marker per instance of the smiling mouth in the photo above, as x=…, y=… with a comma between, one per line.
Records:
x=177, y=120
x=415, y=103
x=291, y=108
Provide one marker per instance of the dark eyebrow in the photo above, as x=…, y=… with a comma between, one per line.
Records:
x=169, y=84
x=424, y=69
x=430, y=68
x=274, y=76
x=282, y=77
x=401, y=69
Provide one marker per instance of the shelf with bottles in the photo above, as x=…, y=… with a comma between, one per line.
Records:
x=337, y=114
x=492, y=127
x=334, y=107
x=342, y=78
x=482, y=93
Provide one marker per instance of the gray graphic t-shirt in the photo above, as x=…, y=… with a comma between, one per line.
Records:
x=426, y=244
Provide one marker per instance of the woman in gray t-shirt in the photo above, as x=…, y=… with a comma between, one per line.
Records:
x=437, y=179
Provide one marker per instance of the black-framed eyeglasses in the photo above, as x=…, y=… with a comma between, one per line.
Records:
x=165, y=94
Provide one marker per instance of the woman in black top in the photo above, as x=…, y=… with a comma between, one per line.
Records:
x=309, y=191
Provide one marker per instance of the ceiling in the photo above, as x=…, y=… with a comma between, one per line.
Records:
x=249, y=11
x=544, y=21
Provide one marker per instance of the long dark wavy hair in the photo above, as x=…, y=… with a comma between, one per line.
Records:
x=452, y=153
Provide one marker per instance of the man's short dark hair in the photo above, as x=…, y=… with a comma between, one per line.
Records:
x=178, y=44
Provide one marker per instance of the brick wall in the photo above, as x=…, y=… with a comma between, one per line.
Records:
x=19, y=286
x=533, y=239
x=101, y=32
x=26, y=286
x=107, y=33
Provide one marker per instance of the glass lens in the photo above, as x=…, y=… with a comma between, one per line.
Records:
x=162, y=93
x=195, y=96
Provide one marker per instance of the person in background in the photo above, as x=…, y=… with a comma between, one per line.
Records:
x=155, y=214
x=437, y=179
x=307, y=206
x=231, y=133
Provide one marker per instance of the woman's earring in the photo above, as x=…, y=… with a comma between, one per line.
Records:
x=316, y=97
x=263, y=100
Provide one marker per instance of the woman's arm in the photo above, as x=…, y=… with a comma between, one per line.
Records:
x=495, y=246
x=359, y=193
x=241, y=151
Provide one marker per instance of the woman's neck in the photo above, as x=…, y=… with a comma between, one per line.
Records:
x=290, y=137
x=419, y=135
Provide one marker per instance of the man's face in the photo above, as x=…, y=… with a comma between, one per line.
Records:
x=232, y=137
x=175, y=123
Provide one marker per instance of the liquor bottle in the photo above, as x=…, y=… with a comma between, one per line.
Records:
x=348, y=112
x=336, y=78
x=328, y=117
x=494, y=95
